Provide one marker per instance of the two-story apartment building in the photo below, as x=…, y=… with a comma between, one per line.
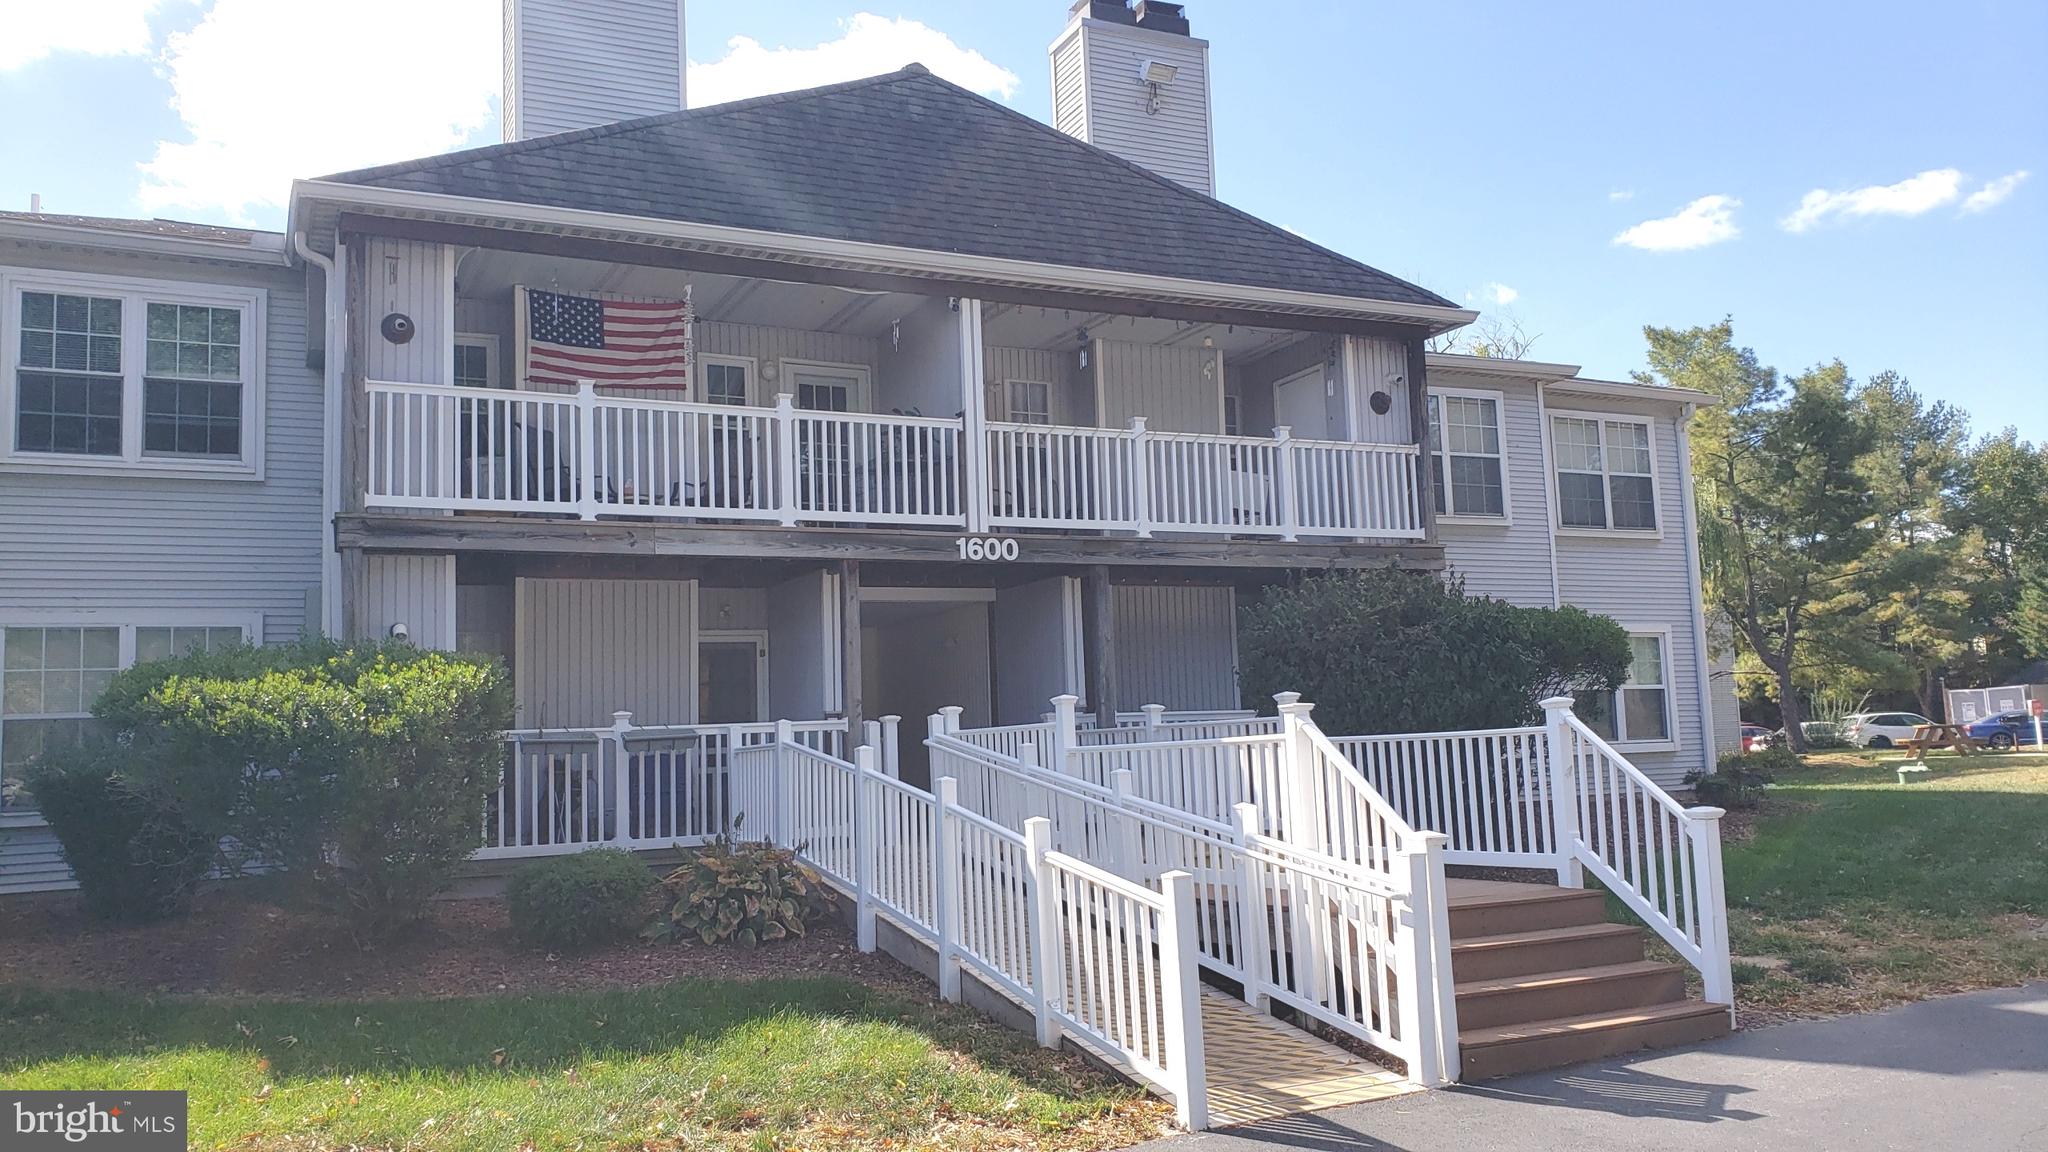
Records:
x=861, y=400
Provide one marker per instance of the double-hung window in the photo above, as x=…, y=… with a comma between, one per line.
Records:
x=727, y=379
x=51, y=674
x=1466, y=458
x=1638, y=712
x=110, y=373
x=1029, y=401
x=1606, y=476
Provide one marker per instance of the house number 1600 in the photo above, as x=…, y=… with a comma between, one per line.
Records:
x=986, y=548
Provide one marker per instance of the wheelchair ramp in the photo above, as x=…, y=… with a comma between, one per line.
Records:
x=1262, y=1069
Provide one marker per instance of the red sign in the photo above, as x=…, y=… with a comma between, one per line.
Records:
x=2037, y=706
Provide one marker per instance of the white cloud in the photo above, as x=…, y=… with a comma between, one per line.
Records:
x=870, y=45
x=1909, y=197
x=1621, y=194
x=1994, y=192
x=1502, y=294
x=272, y=91
x=1707, y=220
x=35, y=29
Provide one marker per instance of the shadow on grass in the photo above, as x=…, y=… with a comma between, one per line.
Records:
x=530, y=1034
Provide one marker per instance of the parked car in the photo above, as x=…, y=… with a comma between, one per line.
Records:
x=2005, y=729
x=1880, y=729
x=1756, y=737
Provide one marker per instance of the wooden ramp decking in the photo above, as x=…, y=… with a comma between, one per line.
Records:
x=1262, y=1069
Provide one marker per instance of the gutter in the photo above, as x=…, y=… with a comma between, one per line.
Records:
x=1702, y=667
x=267, y=251
x=867, y=256
x=1549, y=485
x=333, y=270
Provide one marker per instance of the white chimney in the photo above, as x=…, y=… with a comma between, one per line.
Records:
x=579, y=63
x=1133, y=81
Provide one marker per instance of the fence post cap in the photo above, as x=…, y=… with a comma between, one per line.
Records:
x=947, y=789
x=1706, y=812
x=1065, y=700
x=890, y=719
x=1027, y=753
x=952, y=710
x=1431, y=841
x=1247, y=815
x=864, y=756
x=621, y=721
x=1558, y=704
x=1038, y=835
x=1285, y=698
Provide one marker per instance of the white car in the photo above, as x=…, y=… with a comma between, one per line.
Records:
x=1881, y=729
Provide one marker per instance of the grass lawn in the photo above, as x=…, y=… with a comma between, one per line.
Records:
x=808, y=1063
x=1859, y=891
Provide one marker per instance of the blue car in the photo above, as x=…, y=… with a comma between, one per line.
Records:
x=2005, y=729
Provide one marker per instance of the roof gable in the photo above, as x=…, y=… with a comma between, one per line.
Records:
x=908, y=160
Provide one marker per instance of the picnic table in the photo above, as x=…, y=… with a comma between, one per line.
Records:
x=1930, y=736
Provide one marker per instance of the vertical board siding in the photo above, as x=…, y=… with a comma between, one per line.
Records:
x=1175, y=645
x=1510, y=560
x=1164, y=385
x=412, y=278
x=1037, y=647
x=919, y=373
x=132, y=543
x=1174, y=140
x=578, y=63
x=803, y=646
x=415, y=590
x=1374, y=365
x=1252, y=383
x=588, y=648
x=1072, y=390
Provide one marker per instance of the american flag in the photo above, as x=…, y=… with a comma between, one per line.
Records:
x=613, y=341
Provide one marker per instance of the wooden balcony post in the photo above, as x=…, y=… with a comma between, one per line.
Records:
x=785, y=459
x=1141, y=477
x=586, y=450
x=1284, y=496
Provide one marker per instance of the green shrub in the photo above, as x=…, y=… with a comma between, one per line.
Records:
x=358, y=774
x=1380, y=650
x=587, y=898
x=745, y=892
x=1738, y=779
x=133, y=853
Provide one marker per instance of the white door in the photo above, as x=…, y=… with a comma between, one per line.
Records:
x=1299, y=404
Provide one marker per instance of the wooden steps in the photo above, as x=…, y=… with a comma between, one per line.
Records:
x=1544, y=980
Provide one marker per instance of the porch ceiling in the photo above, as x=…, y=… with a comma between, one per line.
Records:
x=1031, y=326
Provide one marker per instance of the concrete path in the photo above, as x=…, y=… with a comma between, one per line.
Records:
x=1961, y=1072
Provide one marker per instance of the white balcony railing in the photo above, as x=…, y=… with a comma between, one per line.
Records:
x=440, y=447
x=1137, y=480
x=433, y=446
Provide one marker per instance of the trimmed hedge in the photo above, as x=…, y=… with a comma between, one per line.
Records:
x=586, y=898
x=134, y=855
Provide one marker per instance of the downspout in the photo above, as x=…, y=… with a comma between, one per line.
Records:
x=1702, y=668
x=1549, y=481
x=333, y=353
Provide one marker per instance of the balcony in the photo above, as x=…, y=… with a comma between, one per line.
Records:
x=580, y=454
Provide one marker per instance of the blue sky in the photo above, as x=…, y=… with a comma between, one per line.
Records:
x=1487, y=151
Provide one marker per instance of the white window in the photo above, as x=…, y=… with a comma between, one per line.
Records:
x=821, y=387
x=727, y=379
x=1466, y=458
x=1029, y=401
x=108, y=373
x=1233, y=416
x=51, y=673
x=476, y=360
x=1639, y=712
x=1605, y=473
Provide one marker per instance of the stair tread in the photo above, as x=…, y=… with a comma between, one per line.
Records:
x=1495, y=895
x=1593, y=1022
x=1543, y=936
x=1565, y=976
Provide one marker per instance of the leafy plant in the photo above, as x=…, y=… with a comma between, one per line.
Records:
x=585, y=898
x=1738, y=780
x=746, y=892
x=131, y=849
x=359, y=775
x=1381, y=650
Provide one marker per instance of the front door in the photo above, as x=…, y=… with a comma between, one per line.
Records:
x=1299, y=405
x=729, y=681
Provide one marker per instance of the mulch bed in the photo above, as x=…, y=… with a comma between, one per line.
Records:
x=231, y=944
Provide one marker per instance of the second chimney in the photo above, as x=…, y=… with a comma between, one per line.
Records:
x=1135, y=82
x=579, y=63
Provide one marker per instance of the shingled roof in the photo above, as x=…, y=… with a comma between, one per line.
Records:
x=903, y=159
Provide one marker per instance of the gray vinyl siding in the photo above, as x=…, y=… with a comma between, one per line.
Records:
x=1070, y=87
x=1644, y=584
x=1509, y=560
x=1163, y=384
x=1174, y=141
x=588, y=648
x=578, y=63
x=919, y=371
x=31, y=860
x=127, y=545
x=1175, y=645
x=1252, y=382
x=732, y=609
x=804, y=646
x=1037, y=633
x=415, y=590
x=1072, y=390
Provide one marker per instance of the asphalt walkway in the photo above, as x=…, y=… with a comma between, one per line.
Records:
x=1960, y=1072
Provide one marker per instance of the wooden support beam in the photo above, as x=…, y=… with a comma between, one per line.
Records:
x=354, y=592
x=355, y=403
x=1098, y=644
x=1418, y=420
x=849, y=636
